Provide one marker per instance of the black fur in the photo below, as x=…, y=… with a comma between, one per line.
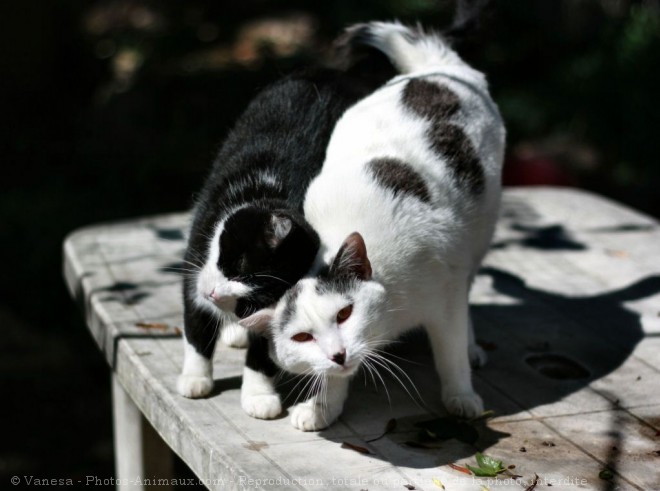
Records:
x=265, y=165
x=257, y=357
x=247, y=257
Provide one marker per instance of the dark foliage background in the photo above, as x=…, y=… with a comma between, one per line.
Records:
x=114, y=108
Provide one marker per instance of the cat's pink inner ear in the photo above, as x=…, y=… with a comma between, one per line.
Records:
x=277, y=229
x=259, y=321
x=352, y=258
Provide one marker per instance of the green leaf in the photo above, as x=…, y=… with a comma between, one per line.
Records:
x=487, y=462
x=488, y=466
x=481, y=471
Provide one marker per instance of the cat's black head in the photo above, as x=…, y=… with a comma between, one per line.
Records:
x=267, y=251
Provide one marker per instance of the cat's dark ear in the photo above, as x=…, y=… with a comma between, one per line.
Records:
x=278, y=227
x=258, y=322
x=352, y=260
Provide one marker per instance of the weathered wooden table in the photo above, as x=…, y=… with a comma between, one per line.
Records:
x=568, y=305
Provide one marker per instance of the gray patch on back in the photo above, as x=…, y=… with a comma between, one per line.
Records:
x=399, y=177
x=437, y=103
x=430, y=100
x=454, y=145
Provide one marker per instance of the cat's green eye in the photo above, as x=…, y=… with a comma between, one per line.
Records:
x=302, y=337
x=344, y=314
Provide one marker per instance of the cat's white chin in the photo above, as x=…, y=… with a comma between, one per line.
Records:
x=343, y=371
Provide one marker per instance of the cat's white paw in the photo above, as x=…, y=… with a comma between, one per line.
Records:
x=309, y=417
x=194, y=386
x=234, y=335
x=467, y=405
x=478, y=356
x=262, y=406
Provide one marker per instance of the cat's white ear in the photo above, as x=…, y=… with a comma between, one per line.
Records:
x=352, y=260
x=277, y=229
x=259, y=321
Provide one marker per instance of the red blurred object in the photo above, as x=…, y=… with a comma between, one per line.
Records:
x=535, y=170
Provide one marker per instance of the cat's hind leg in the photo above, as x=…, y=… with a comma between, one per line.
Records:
x=448, y=330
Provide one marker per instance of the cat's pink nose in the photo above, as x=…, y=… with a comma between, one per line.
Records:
x=216, y=297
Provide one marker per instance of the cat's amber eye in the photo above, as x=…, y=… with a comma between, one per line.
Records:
x=302, y=337
x=344, y=314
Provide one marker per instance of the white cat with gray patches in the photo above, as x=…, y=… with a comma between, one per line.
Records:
x=405, y=207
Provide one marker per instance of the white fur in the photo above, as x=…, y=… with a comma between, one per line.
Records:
x=424, y=255
x=428, y=52
x=196, y=379
x=258, y=396
x=234, y=335
x=319, y=411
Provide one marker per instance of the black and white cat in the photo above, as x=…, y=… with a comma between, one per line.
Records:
x=405, y=207
x=249, y=241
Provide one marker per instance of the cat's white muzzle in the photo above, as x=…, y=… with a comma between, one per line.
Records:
x=226, y=295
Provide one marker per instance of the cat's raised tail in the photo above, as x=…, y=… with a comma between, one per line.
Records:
x=408, y=49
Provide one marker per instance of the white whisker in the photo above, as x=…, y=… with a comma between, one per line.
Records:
x=302, y=378
x=273, y=277
x=387, y=393
x=386, y=364
x=407, y=360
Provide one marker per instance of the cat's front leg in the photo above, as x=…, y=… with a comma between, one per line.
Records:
x=322, y=409
x=448, y=330
x=258, y=395
x=200, y=336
